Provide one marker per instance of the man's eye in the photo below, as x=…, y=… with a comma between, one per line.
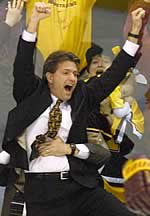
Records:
x=76, y=74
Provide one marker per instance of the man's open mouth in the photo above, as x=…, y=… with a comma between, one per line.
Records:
x=68, y=88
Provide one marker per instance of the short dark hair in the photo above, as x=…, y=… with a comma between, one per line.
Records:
x=93, y=51
x=52, y=61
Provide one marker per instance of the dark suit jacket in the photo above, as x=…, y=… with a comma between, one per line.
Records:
x=33, y=97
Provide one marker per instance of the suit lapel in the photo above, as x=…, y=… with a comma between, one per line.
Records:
x=25, y=113
x=76, y=103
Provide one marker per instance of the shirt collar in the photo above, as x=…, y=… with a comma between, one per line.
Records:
x=54, y=99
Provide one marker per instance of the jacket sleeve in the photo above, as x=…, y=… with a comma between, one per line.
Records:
x=98, y=154
x=25, y=80
x=100, y=87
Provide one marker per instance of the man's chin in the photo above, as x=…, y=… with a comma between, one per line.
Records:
x=67, y=96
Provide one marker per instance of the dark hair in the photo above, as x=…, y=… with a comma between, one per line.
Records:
x=93, y=51
x=52, y=61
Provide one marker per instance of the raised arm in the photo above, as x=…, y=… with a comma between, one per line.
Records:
x=123, y=62
x=25, y=80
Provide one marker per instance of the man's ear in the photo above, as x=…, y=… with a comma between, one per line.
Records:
x=49, y=77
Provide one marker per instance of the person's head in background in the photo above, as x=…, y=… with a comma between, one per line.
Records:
x=97, y=63
x=94, y=59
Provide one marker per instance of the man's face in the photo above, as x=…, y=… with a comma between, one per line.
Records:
x=96, y=65
x=99, y=64
x=63, y=82
x=106, y=62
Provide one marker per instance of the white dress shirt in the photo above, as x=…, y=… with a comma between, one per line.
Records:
x=40, y=126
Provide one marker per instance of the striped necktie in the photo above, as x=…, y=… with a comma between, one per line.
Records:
x=55, y=118
x=54, y=122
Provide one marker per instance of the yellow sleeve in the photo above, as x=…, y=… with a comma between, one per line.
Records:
x=89, y=3
x=115, y=98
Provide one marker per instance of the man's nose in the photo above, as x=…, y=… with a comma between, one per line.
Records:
x=72, y=76
x=100, y=64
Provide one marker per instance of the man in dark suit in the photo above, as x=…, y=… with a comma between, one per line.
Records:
x=60, y=174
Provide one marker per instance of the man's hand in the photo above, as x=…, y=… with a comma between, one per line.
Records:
x=136, y=173
x=55, y=147
x=14, y=15
x=40, y=11
x=137, y=17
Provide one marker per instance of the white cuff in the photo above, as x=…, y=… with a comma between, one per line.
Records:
x=4, y=157
x=131, y=48
x=30, y=37
x=83, y=151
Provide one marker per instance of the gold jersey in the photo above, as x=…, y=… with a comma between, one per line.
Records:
x=67, y=28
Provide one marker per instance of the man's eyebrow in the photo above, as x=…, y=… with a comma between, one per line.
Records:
x=67, y=69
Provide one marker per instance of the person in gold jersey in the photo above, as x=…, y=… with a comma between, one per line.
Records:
x=68, y=27
x=104, y=123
